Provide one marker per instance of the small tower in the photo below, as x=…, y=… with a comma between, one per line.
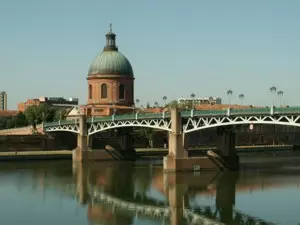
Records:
x=110, y=40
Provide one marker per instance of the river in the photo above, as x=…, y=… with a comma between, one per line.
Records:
x=124, y=193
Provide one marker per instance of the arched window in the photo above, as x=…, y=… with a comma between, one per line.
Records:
x=90, y=91
x=121, y=91
x=103, y=91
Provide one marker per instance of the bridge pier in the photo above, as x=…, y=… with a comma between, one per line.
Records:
x=178, y=159
x=226, y=146
x=81, y=153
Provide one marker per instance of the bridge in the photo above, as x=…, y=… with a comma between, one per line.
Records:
x=193, y=120
x=178, y=124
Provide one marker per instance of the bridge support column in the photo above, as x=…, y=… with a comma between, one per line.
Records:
x=81, y=152
x=226, y=146
x=177, y=159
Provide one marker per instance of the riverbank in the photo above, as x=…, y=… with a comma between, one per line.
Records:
x=36, y=155
x=140, y=152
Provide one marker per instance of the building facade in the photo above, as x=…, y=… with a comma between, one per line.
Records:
x=200, y=100
x=3, y=100
x=57, y=102
x=110, y=82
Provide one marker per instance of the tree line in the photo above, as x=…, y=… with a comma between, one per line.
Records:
x=33, y=115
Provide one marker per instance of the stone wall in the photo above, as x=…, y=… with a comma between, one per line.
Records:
x=21, y=130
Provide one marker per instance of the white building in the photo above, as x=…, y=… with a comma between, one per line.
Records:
x=200, y=100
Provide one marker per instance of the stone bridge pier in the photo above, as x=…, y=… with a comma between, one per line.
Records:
x=178, y=159
x=83, y=152
x=226, y=147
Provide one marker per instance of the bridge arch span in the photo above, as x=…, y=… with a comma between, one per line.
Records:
x=159, y=124
x=72, y=128
x=196, y=124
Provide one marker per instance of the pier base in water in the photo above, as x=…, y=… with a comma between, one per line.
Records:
x=172, y=164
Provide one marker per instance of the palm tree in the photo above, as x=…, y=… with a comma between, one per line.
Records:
x=156, y=104
x=273, y=91
x=165, y=100
x=241, y=97
x=137, y=101
x=229, y=94
x=193, y=99
x=280, y=95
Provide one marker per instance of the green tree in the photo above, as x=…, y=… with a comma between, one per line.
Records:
x=147, y=133
x=148, y=105
x=20, y=120
x=37, y=114
x=60, y=114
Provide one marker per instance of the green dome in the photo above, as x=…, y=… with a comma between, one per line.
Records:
x=111, y=63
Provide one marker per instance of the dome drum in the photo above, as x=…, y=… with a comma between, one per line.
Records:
x=110, y=78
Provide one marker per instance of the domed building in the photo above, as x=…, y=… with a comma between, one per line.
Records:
x=110, y=81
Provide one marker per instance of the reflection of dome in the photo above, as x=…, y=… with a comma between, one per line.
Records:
x=111, y=63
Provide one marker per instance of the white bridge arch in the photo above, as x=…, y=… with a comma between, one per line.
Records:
x=200, y=123
x=190, y=123
x=160, y=124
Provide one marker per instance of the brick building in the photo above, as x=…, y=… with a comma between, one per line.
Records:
x=110, y=82
x=57, y=102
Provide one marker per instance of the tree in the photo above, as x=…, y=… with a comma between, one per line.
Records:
x=147, y=133
x=280, y=95
x=241, y=97
x=60, y=114
x=273, y=91
x=171, y=104
x=229, y=94
x=36, y=114
x=193, y=99
x=156, y=104
x=137, y=101
x=20, y=120
x=148, y=105
x=165, y=100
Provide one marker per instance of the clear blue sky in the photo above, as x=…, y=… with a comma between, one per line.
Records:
x=175, y=47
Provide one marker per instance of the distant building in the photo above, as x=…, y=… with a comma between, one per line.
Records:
x=3, y=100
x=58, y=102
x=200, y=100
x=8, y=113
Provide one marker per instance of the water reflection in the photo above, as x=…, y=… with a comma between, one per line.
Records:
x=124, y=193
x=118, y=182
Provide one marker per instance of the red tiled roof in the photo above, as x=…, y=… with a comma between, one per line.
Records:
x=8, y=112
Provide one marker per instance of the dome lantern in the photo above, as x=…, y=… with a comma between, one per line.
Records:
x=110, y=40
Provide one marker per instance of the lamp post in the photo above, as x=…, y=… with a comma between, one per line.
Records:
x=273, y=91
x=280, y=95
x=229, y=94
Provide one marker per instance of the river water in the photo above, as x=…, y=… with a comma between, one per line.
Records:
x=59, y=192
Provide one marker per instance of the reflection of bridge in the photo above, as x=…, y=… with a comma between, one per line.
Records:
x=200, y=215
x=109, y=195
x=158, y=210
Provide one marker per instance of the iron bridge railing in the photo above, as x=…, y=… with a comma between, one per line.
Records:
x=272, y=111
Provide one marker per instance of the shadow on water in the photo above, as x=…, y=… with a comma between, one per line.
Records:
x=127, y=193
